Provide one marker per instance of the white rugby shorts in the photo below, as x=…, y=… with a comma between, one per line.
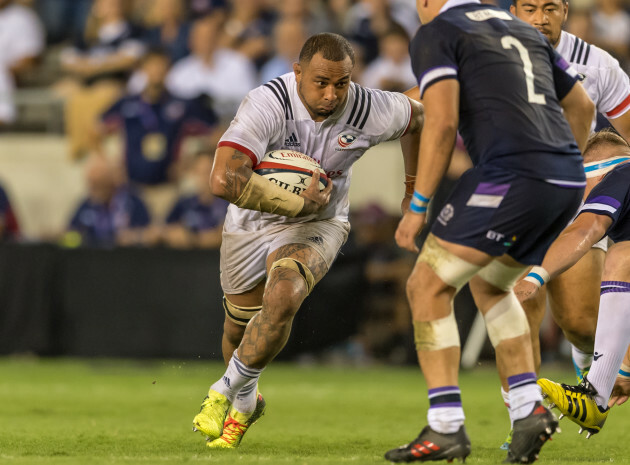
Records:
x=244, y=253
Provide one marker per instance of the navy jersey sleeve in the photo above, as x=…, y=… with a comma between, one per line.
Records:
x=199, y=116
x=113, y=115
x=75, y=221
x=433, y=55
x=139, y=215
x=610, y=195
x=564, y=75
x=176, y=213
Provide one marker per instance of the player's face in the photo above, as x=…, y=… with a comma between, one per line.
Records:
x=323, y=85
x=547, y=16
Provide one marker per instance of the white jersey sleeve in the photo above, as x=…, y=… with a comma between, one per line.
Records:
x=259, y=122
x=389, y=117
x=614, y=88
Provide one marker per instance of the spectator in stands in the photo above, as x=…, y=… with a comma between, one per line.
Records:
x=9, y=229
x=21, y=44
x=611, y=29
x=98, y=64
x=21, y=38
x=222, y=74
x=391, y=70
x=111, y=214
x=201, y=8
x=248, y=28
x=197, y=220
x=153, y=125
x=169, y=28
x=309, y=13
x=288, y=38
x=63, y=19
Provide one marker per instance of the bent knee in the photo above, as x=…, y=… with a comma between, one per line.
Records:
x=282, y=299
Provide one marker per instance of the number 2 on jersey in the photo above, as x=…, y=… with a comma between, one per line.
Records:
x=512, y=42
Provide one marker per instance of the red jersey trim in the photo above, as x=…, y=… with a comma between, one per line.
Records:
x=619, y=109
x=240, y=148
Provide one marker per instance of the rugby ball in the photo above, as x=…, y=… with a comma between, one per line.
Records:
x=290, y=170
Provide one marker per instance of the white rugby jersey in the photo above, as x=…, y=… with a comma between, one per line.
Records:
x=602, y=77
x=272, y=117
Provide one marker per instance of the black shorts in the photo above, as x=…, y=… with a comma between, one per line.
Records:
x=498, y=212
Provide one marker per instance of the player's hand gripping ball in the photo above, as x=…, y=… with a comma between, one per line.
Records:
x=290, y=170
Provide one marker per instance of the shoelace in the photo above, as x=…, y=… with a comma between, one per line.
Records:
x=232, y=429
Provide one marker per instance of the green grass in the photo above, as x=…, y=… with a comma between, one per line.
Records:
x=126, y=412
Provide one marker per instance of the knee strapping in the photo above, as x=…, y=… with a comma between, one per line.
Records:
x=437, y=334
x=506, y=320
x=501, y=276
x=239, y=315
x=450, y=268
x=298, y=267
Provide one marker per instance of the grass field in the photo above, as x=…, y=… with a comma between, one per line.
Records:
x=129, y=412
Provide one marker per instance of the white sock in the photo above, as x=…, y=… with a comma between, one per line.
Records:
x=236, y=376
x=245, y=400
x=506, y=401
x=581, y=360
x=446, y=414
x=611, y=339
x=446, y=420
x=524, y=393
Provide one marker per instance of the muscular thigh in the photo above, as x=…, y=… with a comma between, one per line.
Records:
x=574, y=294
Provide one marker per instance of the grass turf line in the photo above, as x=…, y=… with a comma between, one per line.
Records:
x=60, y=411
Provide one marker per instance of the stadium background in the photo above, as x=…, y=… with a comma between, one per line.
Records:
x=107, y=349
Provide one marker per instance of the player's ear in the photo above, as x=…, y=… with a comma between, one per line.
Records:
x=565, y=5
x=297, y=70
x=513, y=9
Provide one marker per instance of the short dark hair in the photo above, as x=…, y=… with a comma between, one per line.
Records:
x=601, y=138
x=333, y=47
x=566, y=2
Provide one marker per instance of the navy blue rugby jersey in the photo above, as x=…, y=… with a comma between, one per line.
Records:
x=511, y=81
x=611, y=197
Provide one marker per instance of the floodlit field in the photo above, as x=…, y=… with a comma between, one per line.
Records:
x=129, y=412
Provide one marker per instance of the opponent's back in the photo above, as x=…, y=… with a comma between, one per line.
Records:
x=511, y=82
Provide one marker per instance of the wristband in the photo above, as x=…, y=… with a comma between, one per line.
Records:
x=418, y=203
x=624, y=371
x=538, y=276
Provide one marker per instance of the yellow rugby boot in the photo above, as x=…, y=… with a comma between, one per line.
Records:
x=577, y=403
x=209, y=421
x=236, y=425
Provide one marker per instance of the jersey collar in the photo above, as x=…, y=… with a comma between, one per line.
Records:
x=453, y=3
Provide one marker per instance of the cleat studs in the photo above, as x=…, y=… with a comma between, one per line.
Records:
x=561, y=416
x=581, y=430
x=552, y=405
x=545, y=395
x=194, y=429
x=558, y=430
x=548, y=430
x=588, y=435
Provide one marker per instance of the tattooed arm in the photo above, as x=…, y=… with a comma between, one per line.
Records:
x=232, y=179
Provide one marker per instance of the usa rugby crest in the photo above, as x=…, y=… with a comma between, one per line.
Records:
x=346, y=140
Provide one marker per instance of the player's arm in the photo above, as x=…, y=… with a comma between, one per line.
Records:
x=441, y=106
x=622, y=125
x=410, y=144
x=234, y=180
x=572, y=244
x=579, y=111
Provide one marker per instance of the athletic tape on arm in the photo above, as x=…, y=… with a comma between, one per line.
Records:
x=506, y=320
x=297, y=266
x=263, y=195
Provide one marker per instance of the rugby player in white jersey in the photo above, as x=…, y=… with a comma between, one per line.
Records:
x=574, y=295
x=278, y=245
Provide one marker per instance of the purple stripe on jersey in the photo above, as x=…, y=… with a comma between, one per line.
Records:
x=605, y=200
x=447, y=404
x=443, y=390
x=562, y=63
x=614, y=286
x=522, y=379
x=488, y=188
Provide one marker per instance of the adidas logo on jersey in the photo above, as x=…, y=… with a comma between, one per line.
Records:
x=292, y=141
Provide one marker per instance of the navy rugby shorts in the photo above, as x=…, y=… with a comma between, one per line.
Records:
x=498, y=212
